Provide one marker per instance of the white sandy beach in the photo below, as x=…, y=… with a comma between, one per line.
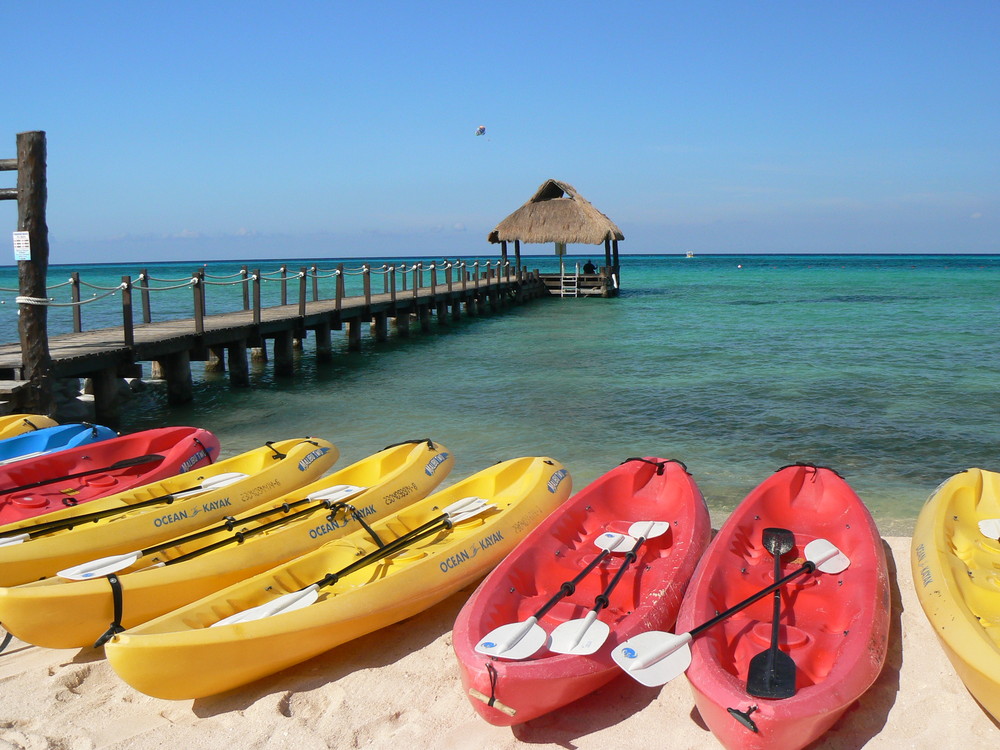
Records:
x=399, y=687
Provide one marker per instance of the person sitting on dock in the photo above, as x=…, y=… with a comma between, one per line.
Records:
x=588, y=267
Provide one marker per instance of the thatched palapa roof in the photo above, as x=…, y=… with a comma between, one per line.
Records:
x=557, y=213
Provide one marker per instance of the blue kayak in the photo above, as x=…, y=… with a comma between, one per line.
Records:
x=51, y=439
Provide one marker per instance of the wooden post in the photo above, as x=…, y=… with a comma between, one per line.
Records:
x=354, y=334
x=147, y=316
x=239, y=369
x=127, y=330
x=199, y=303
x=324, y=351
x=315, y=284
x=402, y=272
x=245, y=277
x=284, y=284
x=340, y=286
x=256, y=296
x=32, y=321
x=385, y=278
x=380, y=326
x=107, y=404
x=367, y=277
x=403, y=324
x=284, y=361
x=176, y=370
x=392, y=286
x=75, y=296
x=302, y=291
x=517, y=253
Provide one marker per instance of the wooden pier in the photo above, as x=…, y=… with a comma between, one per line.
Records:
x=225, y=340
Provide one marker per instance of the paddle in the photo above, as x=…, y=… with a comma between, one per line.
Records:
x=654, y=658
x=103, y=566
x=990, y=527
x=519, y=640
x=455, y=513
x=123, y=464
x=772, y=671
x=586, y=635
x=47, y=527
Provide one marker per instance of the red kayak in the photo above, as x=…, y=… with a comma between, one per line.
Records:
x=38, y=485
x=834, y=627
x=512, y=676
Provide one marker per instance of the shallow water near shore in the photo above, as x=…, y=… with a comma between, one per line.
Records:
x=884, y=368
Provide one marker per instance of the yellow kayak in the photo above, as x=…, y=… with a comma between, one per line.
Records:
x=343, y=590
x=18, y=424
x=39, y=547
x=62, y=613
x=955, y=558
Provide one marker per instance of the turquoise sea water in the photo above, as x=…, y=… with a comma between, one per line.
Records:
x=885, y=368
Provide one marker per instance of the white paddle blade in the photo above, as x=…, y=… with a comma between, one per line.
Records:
x=336, y=493
x=287, y=603
x=469, y=512
x=648, y=529
x=7, y=541
x=101, y=567
x=990, y=527
x=463, y=504
x=214, y=482
x=518, y=640
x=654, y=658
x=826, y=557
x=612, y=542
x=582, y=637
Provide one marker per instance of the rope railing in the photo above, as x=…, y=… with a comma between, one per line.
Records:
x=410, y=278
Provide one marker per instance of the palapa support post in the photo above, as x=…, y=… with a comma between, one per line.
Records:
x=32, y=321
x=239, y=368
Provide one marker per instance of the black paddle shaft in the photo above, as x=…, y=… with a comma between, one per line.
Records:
x=808, y=567
x=771, y=673
x=568, y=587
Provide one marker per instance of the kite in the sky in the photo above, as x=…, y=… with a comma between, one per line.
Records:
x=481, y=130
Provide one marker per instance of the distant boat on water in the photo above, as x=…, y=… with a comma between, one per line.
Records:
x=689, y=254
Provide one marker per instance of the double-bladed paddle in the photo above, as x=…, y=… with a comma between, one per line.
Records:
x=586, y=635
x=654, y=658
x=772, y=672
x=455, y=513
x=26, y=533
x=103, y=566
x=123, y=464
x=519, y=640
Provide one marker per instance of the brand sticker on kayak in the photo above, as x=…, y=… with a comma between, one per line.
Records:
x=433, y=464
x=168, y=518
x=306, y=462
x=556, y=479
x=333, y=523
x=925, y=572
x=195, y=458
x=453, y=561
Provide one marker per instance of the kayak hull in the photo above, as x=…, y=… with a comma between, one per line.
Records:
x=172, y=450
x=56, y=613
x=165, y=657
x=834, y=627
x=270, y=471
x=50, y=439
x=17, y=424
x=647, y=597
x=954, y=573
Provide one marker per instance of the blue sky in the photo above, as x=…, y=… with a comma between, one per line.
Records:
x=233, y=130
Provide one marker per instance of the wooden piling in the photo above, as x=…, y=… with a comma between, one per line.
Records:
x=239, y=369
x=176, y=370
x=284, y=360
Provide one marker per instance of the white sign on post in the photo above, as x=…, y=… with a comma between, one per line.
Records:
x=22, y=246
